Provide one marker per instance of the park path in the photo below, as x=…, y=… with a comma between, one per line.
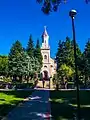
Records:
x=36, y=108
x=46, y=86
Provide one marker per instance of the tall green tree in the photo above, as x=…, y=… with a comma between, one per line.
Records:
x=79, y=56
x=30, y=65
x=37, y=53
x=65, y=56
x=16, y=60
x=59, y=54
x=30, y=47
x=68, y=53
x=86, y=62
x=87, y=51
x=3, y=65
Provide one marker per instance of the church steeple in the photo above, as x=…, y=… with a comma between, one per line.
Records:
x=45, y=32
x=45, y=38
x=49, y=66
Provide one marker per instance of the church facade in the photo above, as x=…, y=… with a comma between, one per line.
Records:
x=49, y=66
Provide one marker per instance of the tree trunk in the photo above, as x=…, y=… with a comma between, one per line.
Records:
x=20, y=79
x=85, y=81
x=27, y=79
x=14, y=78
x=57, y=86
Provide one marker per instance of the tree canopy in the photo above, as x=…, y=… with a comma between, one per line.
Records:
x=52, y=5
x=30, y=47
x=37, y=53
x=16, y=59
x=3, y=65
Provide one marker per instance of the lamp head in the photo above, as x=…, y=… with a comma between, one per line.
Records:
x=72, y=13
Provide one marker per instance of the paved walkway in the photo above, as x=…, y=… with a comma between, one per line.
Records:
x=46, y=86
x=37, y=108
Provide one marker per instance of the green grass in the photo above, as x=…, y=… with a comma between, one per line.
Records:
x=9, y=99
x=63, y=104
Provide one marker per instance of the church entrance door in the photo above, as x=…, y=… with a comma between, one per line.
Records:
x=45, y=75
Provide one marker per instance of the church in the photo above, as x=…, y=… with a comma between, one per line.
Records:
x=49, y=65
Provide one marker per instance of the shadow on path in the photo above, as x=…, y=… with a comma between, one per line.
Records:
x=36, y=108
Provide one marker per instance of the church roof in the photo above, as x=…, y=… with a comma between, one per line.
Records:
x=45, y=32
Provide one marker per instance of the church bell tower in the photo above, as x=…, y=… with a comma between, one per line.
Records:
x=45, y=50
x=45, y=38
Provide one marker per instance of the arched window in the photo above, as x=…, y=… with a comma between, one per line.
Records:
x=51, y=65
x=45, y=66
x=45, y=56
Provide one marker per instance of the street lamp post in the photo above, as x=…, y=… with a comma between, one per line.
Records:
x=72, y=14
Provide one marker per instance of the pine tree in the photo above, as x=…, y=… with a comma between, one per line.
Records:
x=68, y=53
x=59, y=54
x=37, y=53
x=79, y=59
x=86, y=62
x=79, y=56
x=16, y=60
x=65, y=55
x=87, y=51
x=30, y=47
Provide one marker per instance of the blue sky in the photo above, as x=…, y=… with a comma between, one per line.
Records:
x=20, y=18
